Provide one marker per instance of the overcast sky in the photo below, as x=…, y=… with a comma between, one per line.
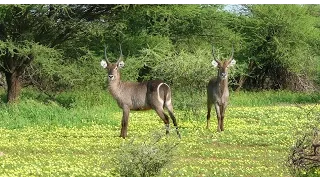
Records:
x=231, y=7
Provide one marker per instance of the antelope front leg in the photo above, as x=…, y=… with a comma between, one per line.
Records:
x=124, y=122
x=222, y=110
x=217, y=107
x=209, y=106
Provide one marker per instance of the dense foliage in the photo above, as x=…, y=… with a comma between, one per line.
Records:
x=276, y=46
x=281, y=46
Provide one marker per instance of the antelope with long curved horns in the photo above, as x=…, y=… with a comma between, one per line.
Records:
x=154, y=94
x=217, y=89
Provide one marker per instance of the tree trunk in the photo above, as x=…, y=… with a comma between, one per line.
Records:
x=243, y=78
x=14, y=87
x=241, y=82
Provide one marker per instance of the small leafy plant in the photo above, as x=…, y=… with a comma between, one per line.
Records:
x=144, y=159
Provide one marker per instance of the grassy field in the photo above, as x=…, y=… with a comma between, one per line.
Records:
x=77, y=134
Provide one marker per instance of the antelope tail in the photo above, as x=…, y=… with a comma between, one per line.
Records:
x=165, y=100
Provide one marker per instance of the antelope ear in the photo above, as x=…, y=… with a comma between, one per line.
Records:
x=232, y=63
x=103, y=63
x=214, y=63
x=121, y=64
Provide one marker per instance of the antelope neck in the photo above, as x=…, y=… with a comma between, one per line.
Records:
x=223, y=85
x=115, y=87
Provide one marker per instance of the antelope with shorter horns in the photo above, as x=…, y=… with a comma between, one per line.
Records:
x=154, y=94
x=217, y=89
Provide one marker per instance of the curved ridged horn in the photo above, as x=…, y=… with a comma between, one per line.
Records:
x=232, y=52
x=121, y=55
x=105, y=54
x=213, y=54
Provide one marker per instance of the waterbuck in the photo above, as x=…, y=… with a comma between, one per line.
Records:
x=217, y=89
x=154, y=94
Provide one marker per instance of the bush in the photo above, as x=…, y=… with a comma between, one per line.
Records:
x=304, y=157
x=144, y=159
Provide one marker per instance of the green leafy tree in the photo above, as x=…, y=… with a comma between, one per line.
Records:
x=52, y=47
x=280, y=46
x=15, y=45
x=170, y=41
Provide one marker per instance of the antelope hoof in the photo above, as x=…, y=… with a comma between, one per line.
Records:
x=178, y=133
x=122, y=136
x=221, y=128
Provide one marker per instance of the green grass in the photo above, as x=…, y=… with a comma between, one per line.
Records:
x=190, y=98
x=271, y=98
x=77, y=134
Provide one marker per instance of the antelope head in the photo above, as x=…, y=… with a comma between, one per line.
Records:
x=223, y=65
x=113, y=68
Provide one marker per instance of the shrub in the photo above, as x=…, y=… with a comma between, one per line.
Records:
x=144, y=159
x=304, y=157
